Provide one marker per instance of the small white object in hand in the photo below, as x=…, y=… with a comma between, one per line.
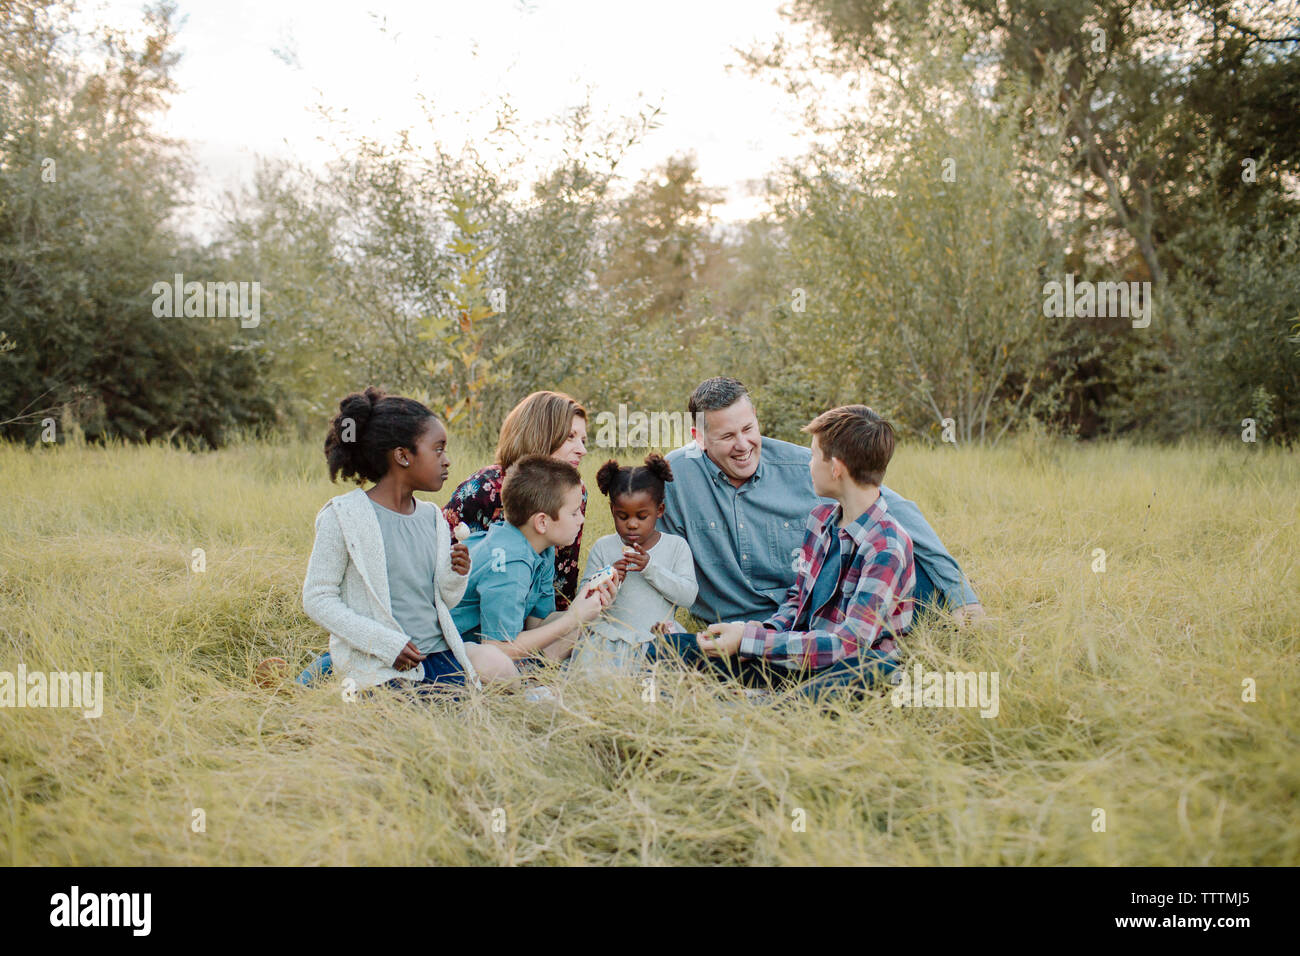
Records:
x=606, y=573
x=461, y=531
x=629, y=550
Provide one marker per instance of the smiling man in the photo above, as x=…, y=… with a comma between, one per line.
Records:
x=839, y=625
x=741, y=501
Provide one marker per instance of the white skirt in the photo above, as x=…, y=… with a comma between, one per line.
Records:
x=596, y=653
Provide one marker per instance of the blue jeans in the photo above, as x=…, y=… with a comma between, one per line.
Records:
x=439, y=668
x=318, y=669
x=853, y=674
x=442, y=667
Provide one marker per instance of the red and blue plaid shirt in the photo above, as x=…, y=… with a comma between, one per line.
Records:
x=873, y=605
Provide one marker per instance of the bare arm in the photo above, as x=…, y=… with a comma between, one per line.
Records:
x=538, y=634
x=555, y=634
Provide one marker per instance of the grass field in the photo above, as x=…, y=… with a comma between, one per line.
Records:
x=1120, y=691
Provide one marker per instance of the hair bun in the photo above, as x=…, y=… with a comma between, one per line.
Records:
x=606, y=476
x=359, y=406
x=659, y=466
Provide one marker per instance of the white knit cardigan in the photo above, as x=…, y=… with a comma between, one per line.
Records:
x=346, y=591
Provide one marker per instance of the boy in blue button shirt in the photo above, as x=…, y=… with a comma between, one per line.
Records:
x=509, y=602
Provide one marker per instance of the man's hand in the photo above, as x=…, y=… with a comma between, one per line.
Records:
x=460, y=559
x=721, y=640
x=409, y=657
x=969, y=614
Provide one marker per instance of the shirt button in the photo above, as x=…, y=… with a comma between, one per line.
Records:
x=787, y=524
x=744, y=557
x=742, y=524
x=711, y=524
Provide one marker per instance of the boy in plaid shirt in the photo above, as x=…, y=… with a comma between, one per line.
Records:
x=852, y=595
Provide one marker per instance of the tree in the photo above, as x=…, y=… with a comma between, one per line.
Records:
x=87, y=191
x=468, y=358
x=916, y=265
x=1148, y=84
x=1143, y=94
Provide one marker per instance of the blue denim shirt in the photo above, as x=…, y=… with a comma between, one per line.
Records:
x=746, y=540
x=508, y=583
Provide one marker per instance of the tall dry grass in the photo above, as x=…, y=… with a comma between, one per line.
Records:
x=1120, y=690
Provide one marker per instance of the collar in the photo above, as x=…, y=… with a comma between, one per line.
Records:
x=857, y=529
x=520, y=542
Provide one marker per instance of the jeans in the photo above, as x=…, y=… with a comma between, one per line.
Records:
x=318, y=669
x=856, y=675
x=442, y=667
x=439, y=668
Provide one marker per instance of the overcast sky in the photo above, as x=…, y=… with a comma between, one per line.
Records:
x=252, y=70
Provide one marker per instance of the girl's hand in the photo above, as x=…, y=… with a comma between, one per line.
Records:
x=409, y=657
x=460, y=558
x=635, y=561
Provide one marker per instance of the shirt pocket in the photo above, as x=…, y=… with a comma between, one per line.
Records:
x=788, y=535
x=709, y=531
x=711, y=544
x=777, y=571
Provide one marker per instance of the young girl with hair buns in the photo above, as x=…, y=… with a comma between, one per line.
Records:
x=384, y=571
x=655, y=570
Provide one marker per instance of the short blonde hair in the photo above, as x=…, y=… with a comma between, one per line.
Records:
x=537, y=426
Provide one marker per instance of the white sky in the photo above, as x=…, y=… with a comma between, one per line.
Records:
x=238, y=98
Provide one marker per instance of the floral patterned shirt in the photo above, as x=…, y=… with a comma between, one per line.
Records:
x=477, y=502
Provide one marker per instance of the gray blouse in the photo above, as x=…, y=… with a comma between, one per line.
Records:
x=410, y=553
